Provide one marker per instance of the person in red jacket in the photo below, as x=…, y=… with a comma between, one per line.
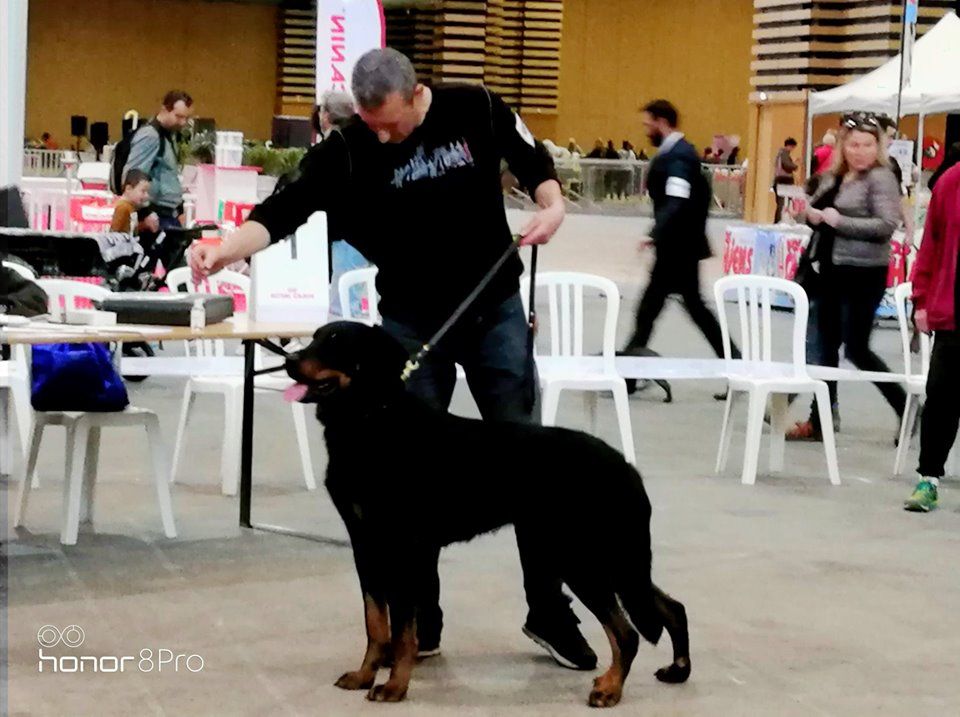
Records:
x=936, y=301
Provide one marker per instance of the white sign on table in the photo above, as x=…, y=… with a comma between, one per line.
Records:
x=901, y=152
x=289, y=280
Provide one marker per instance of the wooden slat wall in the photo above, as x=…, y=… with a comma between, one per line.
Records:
x=296, y=58
x=411, y=30
x=512, y=46
x=818, y=44
x=540, y=70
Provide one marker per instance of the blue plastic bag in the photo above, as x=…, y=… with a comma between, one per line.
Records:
x=76, y=377
x=346, y=258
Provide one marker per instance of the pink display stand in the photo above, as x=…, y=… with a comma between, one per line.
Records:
x=216, y=184
x=91, y=214
x=774, y=250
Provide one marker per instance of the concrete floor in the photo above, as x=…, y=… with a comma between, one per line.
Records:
x=803, y=598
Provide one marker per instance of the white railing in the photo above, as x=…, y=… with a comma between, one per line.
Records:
x=46, y=201
x=43, y=163
x=619, y=186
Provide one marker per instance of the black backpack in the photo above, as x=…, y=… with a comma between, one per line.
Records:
x=121, y=152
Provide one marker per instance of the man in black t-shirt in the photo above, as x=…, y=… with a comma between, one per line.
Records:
x=413, y=182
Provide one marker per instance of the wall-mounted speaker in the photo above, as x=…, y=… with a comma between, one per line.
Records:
x=99, y=135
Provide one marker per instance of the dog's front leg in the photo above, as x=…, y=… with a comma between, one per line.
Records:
x=378, y=642
x=372, y=573
x=403, y=624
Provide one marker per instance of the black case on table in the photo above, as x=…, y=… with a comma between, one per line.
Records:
x=166, y=309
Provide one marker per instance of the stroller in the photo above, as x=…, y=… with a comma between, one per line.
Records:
x=138, y=272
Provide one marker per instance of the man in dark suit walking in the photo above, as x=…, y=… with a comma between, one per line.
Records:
x=681, y=201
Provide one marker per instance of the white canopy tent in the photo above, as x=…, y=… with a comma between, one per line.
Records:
x=934, y=85
x=933, y=88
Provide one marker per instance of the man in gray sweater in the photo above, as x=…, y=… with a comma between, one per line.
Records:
x=153, y=150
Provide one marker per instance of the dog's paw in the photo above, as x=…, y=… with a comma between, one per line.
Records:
x=604, y=697
x=675, y=672
x=358, y=680
x=387, y=692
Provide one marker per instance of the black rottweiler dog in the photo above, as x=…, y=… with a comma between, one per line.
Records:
x=406, y=478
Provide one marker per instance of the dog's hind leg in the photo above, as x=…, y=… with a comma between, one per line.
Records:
x=624, y=641
x=674, y=618
x=378, y=642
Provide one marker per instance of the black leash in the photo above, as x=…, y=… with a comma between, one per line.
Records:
x=414, y=362
x=532, y=313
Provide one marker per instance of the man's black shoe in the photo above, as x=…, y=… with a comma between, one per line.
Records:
x=634, y=385
x=564, y=642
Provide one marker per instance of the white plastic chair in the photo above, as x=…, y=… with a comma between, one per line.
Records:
x=754, y=296
x=83, y=447
x=15, y=390
x=25, y=271
x=565, y=291
x=83, y=436
x=365, y=277
x=914, y=383
x=231, y=388
x=68, y=294
x=15, y=394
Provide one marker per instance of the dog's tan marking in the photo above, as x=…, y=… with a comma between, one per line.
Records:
x=315, y=371
x=608, y=687
x=404, y=657
x=378, y=643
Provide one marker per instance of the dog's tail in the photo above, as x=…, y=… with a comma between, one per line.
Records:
x=638, y=599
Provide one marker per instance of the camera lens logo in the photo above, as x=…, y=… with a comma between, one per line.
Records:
x=51, y=636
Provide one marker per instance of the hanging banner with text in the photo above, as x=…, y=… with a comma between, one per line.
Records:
x=911, y=10
x=345, y=30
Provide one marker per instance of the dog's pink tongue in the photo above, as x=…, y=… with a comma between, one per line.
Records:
x=296, y=392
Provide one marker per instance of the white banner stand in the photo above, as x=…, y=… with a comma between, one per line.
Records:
x=345, y=30
x=289, y=281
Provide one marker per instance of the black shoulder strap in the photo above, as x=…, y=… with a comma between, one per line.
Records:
x=493, y=132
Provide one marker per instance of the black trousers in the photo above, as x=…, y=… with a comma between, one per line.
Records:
x=676, y=277
x=846, y=312
x=941, y=412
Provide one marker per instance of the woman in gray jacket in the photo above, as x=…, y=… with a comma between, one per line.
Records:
x=865, y=211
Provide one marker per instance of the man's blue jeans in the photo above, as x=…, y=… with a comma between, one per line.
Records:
x=494, y=351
